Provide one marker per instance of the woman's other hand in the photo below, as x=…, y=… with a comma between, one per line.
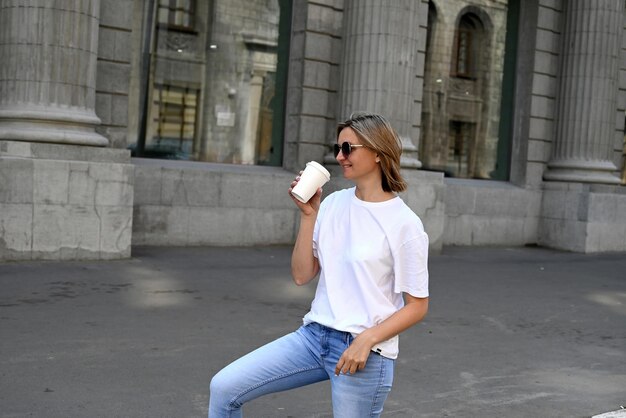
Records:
x=355, y=357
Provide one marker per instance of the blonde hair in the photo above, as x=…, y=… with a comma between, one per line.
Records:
x=377, y=134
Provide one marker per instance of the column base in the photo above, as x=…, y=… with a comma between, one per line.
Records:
x=55, y=135
x=34, y=123
x=599, y=172
x=409, y=157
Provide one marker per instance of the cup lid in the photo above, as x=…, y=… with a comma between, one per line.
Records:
x=320, y=167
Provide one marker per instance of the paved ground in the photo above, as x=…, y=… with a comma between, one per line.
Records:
x=521, y=332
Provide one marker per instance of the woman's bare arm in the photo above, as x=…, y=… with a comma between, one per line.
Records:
x=304, y=265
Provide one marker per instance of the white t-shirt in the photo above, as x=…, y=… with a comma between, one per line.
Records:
x=369, y=253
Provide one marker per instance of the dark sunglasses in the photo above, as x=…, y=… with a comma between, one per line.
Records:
x=345, y=148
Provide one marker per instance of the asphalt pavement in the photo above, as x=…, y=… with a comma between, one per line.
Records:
x=511, y=332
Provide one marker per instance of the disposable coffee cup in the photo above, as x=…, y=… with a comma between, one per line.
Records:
x=312, y=178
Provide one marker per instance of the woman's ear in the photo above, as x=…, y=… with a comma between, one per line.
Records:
x=377, y=159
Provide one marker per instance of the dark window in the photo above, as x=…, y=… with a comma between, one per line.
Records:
x=174, y=113
x=465, y=54
x=176, y=14
x=461, y=149
x=214, y=92
x=466, y=120
x=463, y=60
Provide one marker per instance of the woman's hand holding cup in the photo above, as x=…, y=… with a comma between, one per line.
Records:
x=312, y=205
x=306, y=189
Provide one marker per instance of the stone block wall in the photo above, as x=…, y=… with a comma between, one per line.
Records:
x=490, y=213
x=418, y=85
x=426, y=197
x=114, y=69
x=541, y=131
x=206, y=204
x=620, y=134
x=313, y=81
x=583, y=218
x=63, y=202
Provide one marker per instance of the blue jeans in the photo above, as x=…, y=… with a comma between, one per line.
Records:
x=305, y=356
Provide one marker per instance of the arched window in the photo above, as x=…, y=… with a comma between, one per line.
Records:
x=465, y=128
x=467, y=46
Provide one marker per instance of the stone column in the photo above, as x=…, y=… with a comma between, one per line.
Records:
x=624, y=162
x=378, y=65
x=63, y=195
x=589, y=83
x=48, y=53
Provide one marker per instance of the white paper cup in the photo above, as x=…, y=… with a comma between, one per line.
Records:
x=312, y=178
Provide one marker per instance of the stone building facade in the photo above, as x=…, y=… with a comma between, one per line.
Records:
x=182, y=122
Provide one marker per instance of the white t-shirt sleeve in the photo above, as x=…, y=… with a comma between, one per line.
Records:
x=410, y=265
x=316, y=229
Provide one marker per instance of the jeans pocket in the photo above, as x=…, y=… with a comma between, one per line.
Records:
x=349, y=338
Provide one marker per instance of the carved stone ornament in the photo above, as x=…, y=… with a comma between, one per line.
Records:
x=177, y=41
x=462, y=86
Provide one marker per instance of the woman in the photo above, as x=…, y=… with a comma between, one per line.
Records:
x=371, y=253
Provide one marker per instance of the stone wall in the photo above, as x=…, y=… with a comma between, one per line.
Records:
x=64, y=202
x=184, y=203
x=62, y=194
x=69, y=201
x=544, y=89
x=114, y=69
x=621, y=112
x=583, y=218
x=490, y=213
x=418, y=85
x=313, y=81
x=456, y=212
x=245, y=36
